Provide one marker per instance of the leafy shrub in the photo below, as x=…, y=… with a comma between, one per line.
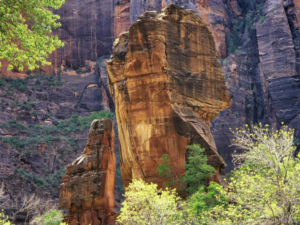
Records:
x=265, y=184
x=206, y=198
x=145, y=204
x=53, y=217
x=4, y=219
x=38, y=82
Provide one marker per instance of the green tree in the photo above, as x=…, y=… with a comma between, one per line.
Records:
x=264, y=188
x=207, y=198
x=166, y=171
x=197, y=169
x=25, y=26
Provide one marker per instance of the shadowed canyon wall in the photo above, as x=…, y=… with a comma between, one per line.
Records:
x=167, y=85
x=88, y=188
x=263, y=75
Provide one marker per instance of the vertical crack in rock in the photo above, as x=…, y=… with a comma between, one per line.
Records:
x=167, y=85
x=278, y=62
x=88, y=188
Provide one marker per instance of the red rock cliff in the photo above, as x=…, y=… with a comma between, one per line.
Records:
x=88, y=188
x=167, y=85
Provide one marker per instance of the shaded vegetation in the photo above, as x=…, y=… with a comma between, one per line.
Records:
x=36, y=134
x=243, y=27
x=31, y=82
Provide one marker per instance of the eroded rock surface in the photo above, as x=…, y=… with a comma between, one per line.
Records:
x=167, y=85
x=213, y=12
x=263, y=78
x=88, y=188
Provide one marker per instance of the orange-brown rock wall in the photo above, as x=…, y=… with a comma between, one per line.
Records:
x=167, y=85
x=89, y=28
x=121, y=17
x=88, y=188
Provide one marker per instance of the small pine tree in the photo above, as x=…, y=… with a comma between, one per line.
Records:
x=196, y=168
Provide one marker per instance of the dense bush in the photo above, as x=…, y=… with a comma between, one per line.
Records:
x=145, y=204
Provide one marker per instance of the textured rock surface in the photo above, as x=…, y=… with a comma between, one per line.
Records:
x=263, y=78
x=278, y=64
x=87, y=31
x=88, y=188
x=121, y=17
x=213, y=12
x=167, y=85
x=89, y=27
x=37, y=166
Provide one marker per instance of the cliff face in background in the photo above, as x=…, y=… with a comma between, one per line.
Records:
x=262, y=76
x=88, y=188
x=257, y=42
x=89, y=28
x=167, y=85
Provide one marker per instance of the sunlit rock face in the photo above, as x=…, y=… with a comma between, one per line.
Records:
x=167, y=85
x=88, y=188
x=213, y=12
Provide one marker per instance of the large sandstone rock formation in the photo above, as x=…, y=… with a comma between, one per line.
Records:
x=213, y=12
x=167, y=85
x=88, y=188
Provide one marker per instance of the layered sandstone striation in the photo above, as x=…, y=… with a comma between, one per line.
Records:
x=89, y=27
x=167, y=85
x=121, y=17
x=212, y=12
x=88, y=188
x=263, y=78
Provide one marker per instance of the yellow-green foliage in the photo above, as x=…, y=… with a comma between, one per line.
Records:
x=4, y=219
x=265, y=187
x=145, y=204
x=52, y=218
x=25, y=26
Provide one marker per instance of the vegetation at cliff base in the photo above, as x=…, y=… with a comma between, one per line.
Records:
x=37, y=134
x=37, y=82
x=25, y=26
x=262, y=189
x=145, y=204
x=61, y=137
